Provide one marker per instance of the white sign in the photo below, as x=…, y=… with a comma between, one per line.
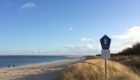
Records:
x=105, y=54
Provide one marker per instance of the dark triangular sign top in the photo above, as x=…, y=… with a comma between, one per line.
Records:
x=105, y=42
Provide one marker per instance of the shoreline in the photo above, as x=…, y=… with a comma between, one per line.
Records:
x=38, y=63
x=34, y=72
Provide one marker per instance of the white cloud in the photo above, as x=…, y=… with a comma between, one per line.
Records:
x=84, y=39
x=81, y=49
x=28, y=5
x=127, y=44
x=38, y=51
x=137, y=39
x=70, y=28
x=42, y=51
x=116, y=50
x=67, y=28
x=132, y=32
x=35, y=50
x=122, y=43
x=69, y=46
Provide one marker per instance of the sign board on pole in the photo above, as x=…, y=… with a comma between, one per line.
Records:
x=105, y=42
x=105, y=54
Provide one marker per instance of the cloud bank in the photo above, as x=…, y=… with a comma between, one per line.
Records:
x=81, y=49
x=28, y=5
x=132, y=32
x=89, y=49
x=84, y=39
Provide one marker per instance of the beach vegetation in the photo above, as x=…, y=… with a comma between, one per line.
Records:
x=122, y=66
x=94, y=70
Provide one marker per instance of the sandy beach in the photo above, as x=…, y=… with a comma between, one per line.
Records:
x=34, y=72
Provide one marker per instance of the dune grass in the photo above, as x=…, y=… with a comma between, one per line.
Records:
x=131, y=61
x=122, y=66
x=95, y=71
x=129, y=57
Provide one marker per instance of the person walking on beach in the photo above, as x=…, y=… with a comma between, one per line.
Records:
x=8, y=66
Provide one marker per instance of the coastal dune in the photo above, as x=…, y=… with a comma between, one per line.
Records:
x=34, y=72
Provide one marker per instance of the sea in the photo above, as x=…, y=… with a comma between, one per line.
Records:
x=30, y=60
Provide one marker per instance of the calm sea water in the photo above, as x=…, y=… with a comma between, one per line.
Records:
x=30, y=60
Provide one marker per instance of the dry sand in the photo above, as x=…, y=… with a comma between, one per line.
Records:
x=34, y=72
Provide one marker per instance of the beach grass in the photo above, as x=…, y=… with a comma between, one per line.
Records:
x=94, y=70
x=122, y=66
x=131, y=61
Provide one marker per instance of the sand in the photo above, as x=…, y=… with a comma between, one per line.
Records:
x=34, y=72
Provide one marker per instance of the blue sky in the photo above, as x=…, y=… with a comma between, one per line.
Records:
x=67, y=27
